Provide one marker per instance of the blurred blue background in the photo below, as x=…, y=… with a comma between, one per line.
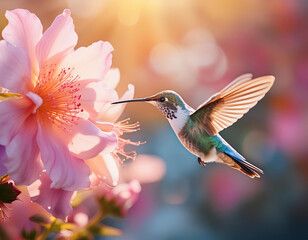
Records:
x=196, y=48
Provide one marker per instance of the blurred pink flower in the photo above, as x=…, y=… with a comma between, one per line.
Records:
x=102, y=201
x=227, y=190
x=49, y=127
x=282, y=123
x=123, y=197
x=145, y=169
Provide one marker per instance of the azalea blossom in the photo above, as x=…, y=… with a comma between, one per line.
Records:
x=50, y=126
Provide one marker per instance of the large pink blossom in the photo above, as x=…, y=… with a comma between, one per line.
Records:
x=105, y=166
x=49, y=127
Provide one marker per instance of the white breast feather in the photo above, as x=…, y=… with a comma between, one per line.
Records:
x=181, y=118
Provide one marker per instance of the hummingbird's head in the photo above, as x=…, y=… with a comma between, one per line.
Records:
x=168, y=102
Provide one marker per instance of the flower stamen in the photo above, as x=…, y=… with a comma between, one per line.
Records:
x=61, y=96
x=125, y=127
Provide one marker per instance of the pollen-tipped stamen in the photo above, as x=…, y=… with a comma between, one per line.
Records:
x=60, y=95
x=124, y=127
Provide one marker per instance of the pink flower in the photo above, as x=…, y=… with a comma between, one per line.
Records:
x=105, y=166
x=49, y=127
x=227, y=190
x=145, y=169
x=123, y=196
x=56, y=201
x=105, y=200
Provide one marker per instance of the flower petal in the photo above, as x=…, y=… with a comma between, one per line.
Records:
x=24, y=30
x=23, y=162
x=36, y=99
x=59, y=37
x=3, y=170
x=65, y=171
x=15, y=68
x=95, y=96
x=19, y=216
x=90, y=62
x=112, y=78
x=55, y=201
x=105, y=167
x=13, y=113
x=87, y=140
x=111, y=113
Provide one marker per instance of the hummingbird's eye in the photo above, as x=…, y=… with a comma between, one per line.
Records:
x=162, y=99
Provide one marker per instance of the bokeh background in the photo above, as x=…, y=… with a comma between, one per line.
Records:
x=196, y=47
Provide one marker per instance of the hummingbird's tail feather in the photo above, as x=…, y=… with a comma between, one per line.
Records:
x=241, y=165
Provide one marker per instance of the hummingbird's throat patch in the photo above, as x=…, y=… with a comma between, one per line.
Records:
x=168, y=112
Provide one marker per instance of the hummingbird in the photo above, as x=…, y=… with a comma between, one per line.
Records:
x=198, y=130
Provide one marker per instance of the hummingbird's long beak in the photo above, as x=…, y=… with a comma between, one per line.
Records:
x=133, y=100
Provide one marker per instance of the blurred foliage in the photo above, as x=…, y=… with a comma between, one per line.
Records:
x=61, y=229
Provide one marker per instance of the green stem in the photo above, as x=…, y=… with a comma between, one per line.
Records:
x=96, y=219
x=93, y=222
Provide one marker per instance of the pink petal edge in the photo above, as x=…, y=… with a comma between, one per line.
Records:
x=87, y=140
x=13, y=112
x=15, y=68
x=112, y=113
x=90, y=62
x=65, y=171
x=112, y=78
x=24, y=30
x=55, y=201
x=95, y=96
x=105, y=168
x=23, y=162
x=58, y=38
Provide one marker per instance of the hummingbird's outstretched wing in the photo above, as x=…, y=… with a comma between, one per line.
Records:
x=227, y=106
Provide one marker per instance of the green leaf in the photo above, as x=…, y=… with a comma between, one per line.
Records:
x=8, y=192
x=58, y=225
x=4, y=96
x=110, y=207
x=40, y=219
x=29, y=235
x=104, y=230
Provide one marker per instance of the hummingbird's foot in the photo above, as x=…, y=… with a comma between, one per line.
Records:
x=201, y=163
